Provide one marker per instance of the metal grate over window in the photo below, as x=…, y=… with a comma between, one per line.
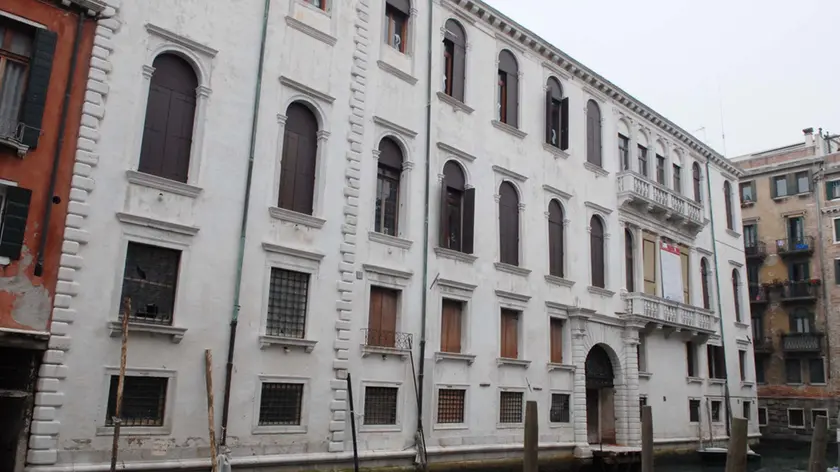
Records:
x=143, y=404
x=451, y=406
x=559, y=412
x=380, y=405
x=280, y=404
x=510, y=407
x=287, y=299
x=149, y=281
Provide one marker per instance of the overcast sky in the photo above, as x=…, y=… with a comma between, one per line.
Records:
x=773, y=66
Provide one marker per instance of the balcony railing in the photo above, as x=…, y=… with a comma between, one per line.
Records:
x=388, y=339
x=755, y=250
x=802, y=342
x=763, y=345
x=659, y=199
x=803, y=290
x=793, y=246
x=758, y=294
x=669, y=313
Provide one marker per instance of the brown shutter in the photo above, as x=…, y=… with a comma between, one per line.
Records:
x=451, y=326
x=375, y=316
x=649, y=264
x=513, y=99
x=597, y=141
x=555, y=239
x=629, y=266
x=389, y=317
x=596, y=242
x=773, y=190
x=685, y=274
x=590, y=138
x=443, y=222
x=509, y=339
x=548, y=126
x=556, y=341
x=297, y=178
x=564, y=124
x=704, y=281
x=727, y=198
x=458, y=71
x=468, y=229
x=792, y=184
x=508, y=224
x=288, y=166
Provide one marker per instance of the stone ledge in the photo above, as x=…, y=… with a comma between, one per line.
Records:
x=176, y=333
x=456, y=104
x=512, y=130
x=389, y=240
x=563, y=367
x=559, y=281
x=600, y=291
x=512, y=269
x=459, y=256
x=160, y=183
x=385, y=351
x=267, y=341
x=294, y=217
x=455, y=357
x=503, y=361
x=598, y=170
x=556, y=151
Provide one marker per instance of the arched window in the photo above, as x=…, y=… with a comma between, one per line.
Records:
x=704, y=282
x=297, y=168
x=556, y=115
x=555, y=239
x=593, y=133
x=457, y=210
x=508, y=224
x=507, y=101
x=170, y=112
x=727, y=197
x=397, y=13
x=629, y=263
x=454, y=57
x=388, y=173
x=596, y=248
x=695, y=174
x=736, y=293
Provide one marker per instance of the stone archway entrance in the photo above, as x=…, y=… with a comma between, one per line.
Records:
x=600, y=397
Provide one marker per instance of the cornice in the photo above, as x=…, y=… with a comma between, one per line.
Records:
x=306, y=90
x=181, y=40
x=455, y=151
x=401, y=130
x=293, y=252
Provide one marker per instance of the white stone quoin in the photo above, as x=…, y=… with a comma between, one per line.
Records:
x=334, y=61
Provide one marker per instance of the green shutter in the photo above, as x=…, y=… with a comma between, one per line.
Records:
x=837, y=229
x=14, y=221
x=35, y=98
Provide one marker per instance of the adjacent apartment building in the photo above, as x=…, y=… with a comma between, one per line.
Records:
x=791, y=229
x=449, y=238
x=44, y=60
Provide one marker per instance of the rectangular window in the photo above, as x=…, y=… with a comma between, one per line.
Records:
x=686, y=274
x=747, y=192
x=816, y=371
x=762, y=416
x=742, y=364
x=642, y=405
x=837, y=271
x=677, y=173
x=559, y=412
x=759, y=370
x=660, y=169
x=319, y=4
x=694, y=411
x=380, y=405
x=387, y=200
x=502, y=99
x=817, y=412
x=281, y=404
x=837, y=230
x=691, y=358
x=451, y=406
x=556, y=329
x=510, y=334
x=832, y=190
x=716, y=362
x=793, y=371
x=624, y=151
x=799, y=271
x=746, y=408
x=288, y=295
x=641, y=353
x=716, y=407
x=780, y=186
x=143, y=402
x=510, y=407
x=803, y=182
x=396, y=24
x=149, y=281
x=751, y=237
x=796, y=418
x=450, y=325
x=382, y=317
x=643, y=167
x=649, y=261
x=15, y=54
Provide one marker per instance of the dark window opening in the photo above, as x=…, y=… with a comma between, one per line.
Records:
x=629, y=264
x=695, y=175
x=559, y=412
x=143, y=401
x=457, y=210
x=677, y=171
x=793, y=371
x=508, y=224
x=556, y=243
x=736, y=293
x=389, y=168
x=281, y=404
x=596, y=247
x=643, y=163
x=716, y=408
x=691, y=358
x=694, y=411
x=716, y=362
x=396, y=23
x=660, y=169
x=454, y=56
x=288, y=296
x=149, y=281
x=746, y=408
x=796, y=418
x=508, y=89
x=624, y=151
x=510, y=407
x=727, y=197
x=816, y=371
x=593, y=134
x=704, y=282
x=380, y=405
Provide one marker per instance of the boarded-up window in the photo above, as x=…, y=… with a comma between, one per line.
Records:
x=684, y=259
x=454, y=56
x=382, y=317
x=556, y=333
x=593, y=133
x=555, y=239
x=297, y=168
x=457, y=210
x=649, y=255
x=556, y=115
x=170, y=112
x=510, y=334
x=508, y=99
x=508, y=224
x=596, y=248
x=387, y=203
x=450, y=325
x=150, y=279
x=695, y=175
x=727, y=198
x=704, y=282
x=629, y=264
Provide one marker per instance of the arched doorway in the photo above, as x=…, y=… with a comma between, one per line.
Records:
x=600, y=397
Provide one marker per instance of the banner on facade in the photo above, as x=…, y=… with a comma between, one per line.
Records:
x=671, y=264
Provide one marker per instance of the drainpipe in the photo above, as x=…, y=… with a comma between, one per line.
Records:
x=719, y=306
x=59, y=144
x=234, y=320
x=826, y=302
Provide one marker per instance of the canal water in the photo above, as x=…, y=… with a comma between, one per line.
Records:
x=775, y=457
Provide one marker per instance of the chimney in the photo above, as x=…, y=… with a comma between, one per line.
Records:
x=809, y=136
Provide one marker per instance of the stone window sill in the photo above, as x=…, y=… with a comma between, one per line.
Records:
x=456, y=104
x=455, y=255
x=694, y=380
x=287, y=343
x=512, y=130
x=159, y=183
x=563, y=367
x=739, y=324
x=135, y=430
x=598, y=170
x=556, y=151
x=600, y=291
x=732, y=233
x=310, y=30
x=747, y=384
x=408, y=78
x=645, y=375
x=176, y=333
x=455, y=357
x=19, y=148
x=384, y=351
x=294, y=217
x=389, y=240
x=513, y=362
x=512, y=269
x=716, y=381
x=560, y=281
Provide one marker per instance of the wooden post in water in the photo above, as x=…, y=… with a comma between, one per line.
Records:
x=819, y=444
x=211, y=417
x=736, y=454
x=647, y=439
x=117, y=419
x=532, y=437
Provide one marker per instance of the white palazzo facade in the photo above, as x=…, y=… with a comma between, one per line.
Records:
x=540, y=266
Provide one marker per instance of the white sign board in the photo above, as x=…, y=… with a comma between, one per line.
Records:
x=671, y=264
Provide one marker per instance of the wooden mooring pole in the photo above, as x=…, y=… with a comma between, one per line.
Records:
x=211, y=417
x=647, y=439
x=736, y=454
x=532, y=437
x=117, y=418
x=819, y=444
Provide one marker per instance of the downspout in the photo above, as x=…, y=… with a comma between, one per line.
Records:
x=826, y=301
x=234, y=320
x=719, y=306
x=59, y=145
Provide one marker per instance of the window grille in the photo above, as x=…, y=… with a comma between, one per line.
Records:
x=451, y=406
x=287, y=300
x=143, y=403
x=510, y=407
x=280, y=404
x=380, y=405
x=559, y=412
x=149, y=280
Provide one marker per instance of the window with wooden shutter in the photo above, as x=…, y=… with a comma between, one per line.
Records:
x=389, y=168
x=556, y=335
x=457, y=210
x=677, y=174
x=704, y=282
x=624, y=151
x=397, y=13
x=832, y=189
x=382, y=317
x=508, y=224
x=696, y=177
x=297, y=167
x=686, y=274
x=736, y=293
x=508, y=98
x=170, y=112
x=629, y=263
x=596, y=247
x=553, y=112
x=660, y=170
x=555, y=238
x=593, y=133
x=450, y=325
x=643, y=162
x=727, y=197
x=14, y=203
x=509, y=334
x=454, y=55
x=649, y=262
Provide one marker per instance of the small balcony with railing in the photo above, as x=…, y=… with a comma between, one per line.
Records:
x=386, y=343
x=669, y=314
x=792, y=247
x=758, y=294
x=755, y=250
x=802, y=343
x=649, y=197
x=763, y=345
x=800, y=291
x=11, y=135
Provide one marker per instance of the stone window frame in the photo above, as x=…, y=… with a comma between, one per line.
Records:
x=303, y=427
x=758, y=416
x=824, y=410
x=498, y=407
x=804, y=419
x=452, y=426
x=168, y=408
x=390, y=428
x=403, y=138
x=463, y=293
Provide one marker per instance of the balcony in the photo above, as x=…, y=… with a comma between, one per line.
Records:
x=386, y=342
x=803, y=246
x=802, y=342
x=669, y=314
x=755, y=250
x=801, y=291
x=763, y=345
x=758, y=294
x=644, y=195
